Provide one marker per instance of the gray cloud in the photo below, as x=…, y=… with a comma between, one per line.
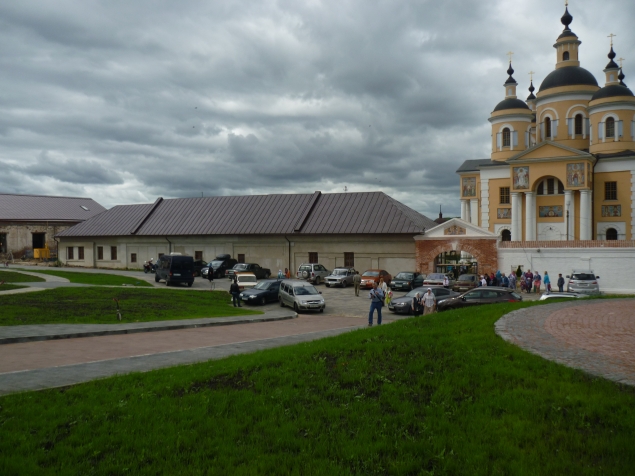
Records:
x=131, y=100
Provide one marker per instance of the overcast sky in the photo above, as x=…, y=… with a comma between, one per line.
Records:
x=125, y=101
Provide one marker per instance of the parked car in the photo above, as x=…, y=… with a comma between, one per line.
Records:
x=340, y=277
x=373, y=275
x=261, y=273
x=199, y=264
x=262, y=293
x=407, y=280
x=175, y=269
x=301, y=296
x=480, y=295
x=219, y=265
x=437, y=279
x=552, y=296
x=403, y=304
x=583, y=281
x=246, y=280
x=465, y=283
x=312, y=272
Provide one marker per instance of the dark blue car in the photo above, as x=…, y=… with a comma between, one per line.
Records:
x=262, y=293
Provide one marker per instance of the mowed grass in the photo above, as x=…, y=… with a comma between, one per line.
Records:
x=17, y=277
x=95, y=305
x=440, y=395
x=95, y=279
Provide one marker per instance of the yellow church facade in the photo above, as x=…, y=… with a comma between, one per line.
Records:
x=562, y=165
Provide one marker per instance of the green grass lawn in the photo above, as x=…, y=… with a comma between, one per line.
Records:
x=10, y=287
x=438, y=395
x=95, y=305
x=95, y=278
x=16, y=277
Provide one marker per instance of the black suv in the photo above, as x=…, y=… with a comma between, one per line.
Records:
x=175, y=269
x=219, y=265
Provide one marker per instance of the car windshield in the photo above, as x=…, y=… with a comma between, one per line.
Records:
x=216, y=263
x=435, y=276
x=371, y=273
x=241, y=266
x=247, y=279
x=407, y=276
x=305, y=290
x=339, y=272
x=583, y=276
x=263, y=285
x=467, y=277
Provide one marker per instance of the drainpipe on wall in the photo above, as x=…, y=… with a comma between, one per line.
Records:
x=170, y=246
x=289, y=246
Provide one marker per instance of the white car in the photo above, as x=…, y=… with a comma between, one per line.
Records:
x=246, y=280
x=552, y=296
x=301, y=296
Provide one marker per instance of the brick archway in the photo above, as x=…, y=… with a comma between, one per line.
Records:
x=484, y=251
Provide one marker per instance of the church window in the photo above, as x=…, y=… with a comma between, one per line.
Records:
x=541, y=189
x=565, y=56
x=578, y=124
x=548, y=128
x=506, y=137
x=548, y=187
x=506, y=235
x=610, y=128
x=610, y=190
x=611, y=234
x=504, y=195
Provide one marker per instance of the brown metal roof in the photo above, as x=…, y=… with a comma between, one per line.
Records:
x=337, y=213
x=15, y=207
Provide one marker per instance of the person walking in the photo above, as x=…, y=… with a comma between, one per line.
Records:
x=483, y=281
x=287, y=273
x=446, y=281
x=280, y=275
x=512, y=281
x=537, y=282
x=560, y=283
x=210, y=278
x=376, y=296
x=416, y=305
x=235, y=292
x=429, y=302
x=382, y=285
x=357, y=281
x=547, y=282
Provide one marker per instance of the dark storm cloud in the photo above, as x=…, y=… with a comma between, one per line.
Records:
x=131, y=100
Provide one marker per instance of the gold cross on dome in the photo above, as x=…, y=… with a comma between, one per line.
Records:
x=531, y=75
x=566, y=3
x=510, y=54
x=611, y=36
x=620, y=60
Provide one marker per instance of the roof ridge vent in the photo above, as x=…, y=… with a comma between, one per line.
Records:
x=307, y=212
x=146, y=216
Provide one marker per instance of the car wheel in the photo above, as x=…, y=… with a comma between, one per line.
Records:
x=167, y=282
x=322, y=310
x=327, y=285
x=263, y=301
x=344, y=284
x=295, y=308
x=281, y=303
x=317, y=280
x=156, y=278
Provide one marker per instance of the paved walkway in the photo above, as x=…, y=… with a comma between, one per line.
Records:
x=597, y=337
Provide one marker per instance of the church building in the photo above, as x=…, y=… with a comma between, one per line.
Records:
x=562, y=166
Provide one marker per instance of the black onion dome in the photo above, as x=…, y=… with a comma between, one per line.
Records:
x=621, y=77
x=566, y=21
x=510, y=71
x=612, y=64
x=531, y=91
x=510, y=104
x=568, y=76
x=612, y=91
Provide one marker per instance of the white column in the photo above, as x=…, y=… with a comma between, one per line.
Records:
x=485, y=203
x=585, y=215
x=530, y=216
x=474, y=211
x=464, y=211
x=569, y=207
x=516, y=217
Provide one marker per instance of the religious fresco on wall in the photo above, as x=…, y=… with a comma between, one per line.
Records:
x=611, y=210
x=504, y=213
x=550, y=212
x=469, y=187
x=454, y=230
x=521, y=177
x=575, y=175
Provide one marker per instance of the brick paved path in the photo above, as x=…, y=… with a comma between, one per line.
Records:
x=595, y=336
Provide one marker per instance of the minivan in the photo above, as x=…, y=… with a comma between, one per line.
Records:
x=300, y=295
x=175, y=269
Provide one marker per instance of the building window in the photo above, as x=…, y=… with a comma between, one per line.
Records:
x=565, y=56
x=611, y=234
x=313, y=257
x=113, y=253
x=506, y=235
x=100, y=252
x=548, y=187
x=578, y=125
x=39, y=240
x=610, y=190
x=3, y=242
x=610, y=128
x=133, y=257
x=504, y=195
x=198, y=255
x=69, y=252
x=349, y=260
x=80, y=252
x=548, y=128
x=506, y=137
x=241, y=258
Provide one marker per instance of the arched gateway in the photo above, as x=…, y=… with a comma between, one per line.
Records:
x=458, y=236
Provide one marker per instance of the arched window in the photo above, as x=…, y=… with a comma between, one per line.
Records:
x=506, y=137
x=610, y=128
x=611, y=234
x=550, y=186
x=578, y=124
x=506, y=235
x=548, y=128
x=565, y=56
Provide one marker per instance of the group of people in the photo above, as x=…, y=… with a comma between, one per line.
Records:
x=529, y=282
x=285, y=275
x=380, y=295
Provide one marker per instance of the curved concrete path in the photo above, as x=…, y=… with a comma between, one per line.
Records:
x=596, y=336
